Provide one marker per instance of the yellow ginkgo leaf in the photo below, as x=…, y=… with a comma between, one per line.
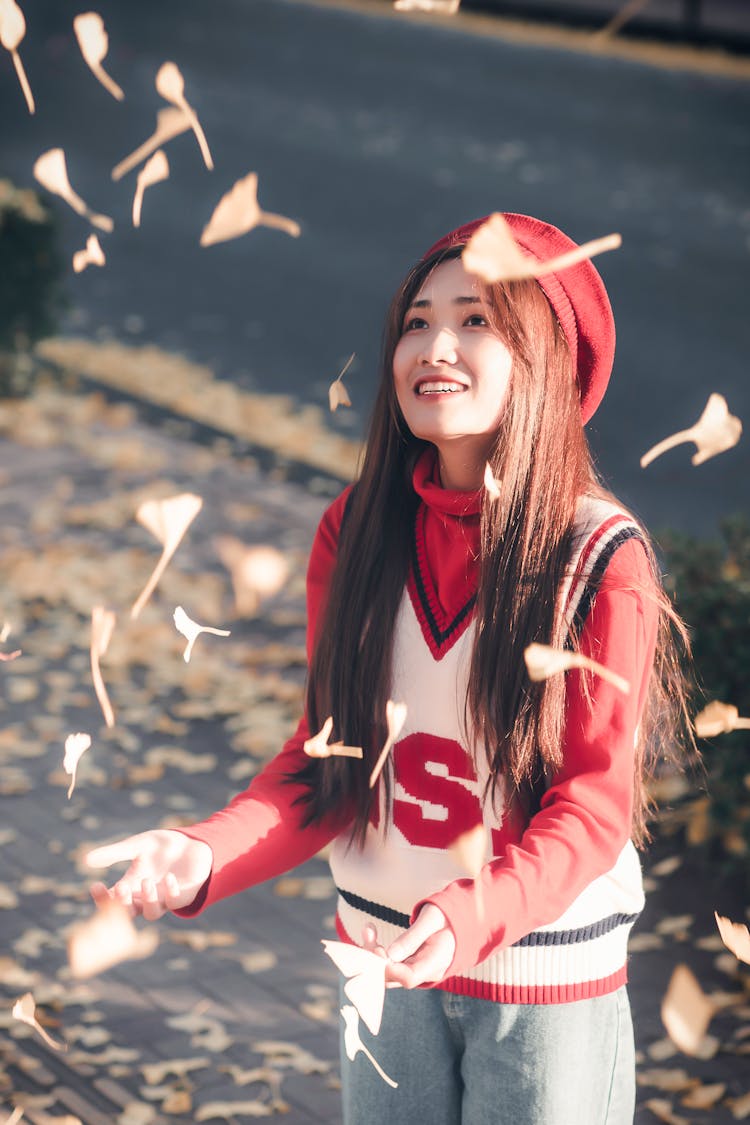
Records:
x=106, y=938
x=543, y=661
x=719, y=718
x=318, y=745
x=93, y=255
x=686, y=1012
x=170, y=123
x=24, y=1010
x=102, y=625
x=257, y=572
x=12, y=31
x=715, y=431
x=493, y=254
x=395, y=714
x=51, y=171
x=171, y=86
x=76, y=746
x=353, y=1043
x=736, y=937
x=167, y=520
x=238, y=211
x=153, y=172
x=191, y=630
x=337, y=392
x=94, y=43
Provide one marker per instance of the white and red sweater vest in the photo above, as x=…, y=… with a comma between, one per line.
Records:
x=560, y=892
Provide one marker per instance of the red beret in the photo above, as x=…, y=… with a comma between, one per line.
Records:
x=577, y=296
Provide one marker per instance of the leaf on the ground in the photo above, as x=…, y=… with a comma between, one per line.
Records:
x=663, y=1111
x=740, y=1107
x=666, y=866
x=686, y=1013
x=365, y=985
x=318, y=746
x=543, y=661
x=8, y=897
x=662, y=1049
x=92, y=255
x=441, y=7
x=715, y=431
x=337, y=392
x=238, y=212
x=231, y=1110
x=644, y=942
x=76, y=746
x=395, y=715
x=258, y=962
x=191, y=630
x=204, y=1031
x=102, y=625
x=674, y=924
x=168, y=521
x=155, y=1073
x=353, y=1043
x=170, y=123
x=171, y=86
x=200, y=940
x=24, y=1010
x=181, y=759
x=15, y=1116
x=490, y=483
x=106, y=938
x=137, y=1113
x=51, y=171
x=291, y=886
x=154, y=171
x=94, y=43
x=672, y=1080
x=257, y=572
x=704, y=1096
x=278, y=1053
x=719, y=718
x=6, y=656
x=493, y=254
x=736, y=937
x=12, y=31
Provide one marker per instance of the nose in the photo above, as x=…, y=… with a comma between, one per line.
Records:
x=439, y=346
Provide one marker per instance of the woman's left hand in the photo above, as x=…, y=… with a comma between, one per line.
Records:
x=424, y=953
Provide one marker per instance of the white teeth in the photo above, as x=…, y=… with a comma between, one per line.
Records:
x=439, y=388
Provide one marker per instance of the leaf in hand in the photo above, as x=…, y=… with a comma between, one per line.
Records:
x=366, y=984
x=493, y=254
x=171, y=86
x=12, y=31
x=395, y=714
x=318, y=745
x=167, y=520
x=257, y=572
x=51, y=171
x=24, y=1010
x=719, y=718
x=736, y=937
x=102, y=624
x=106, y=938
x=191, y=630
x=153, y=172
x=76, y=746
x=686, y=1012
x=337, y=392
x=170, y=122
x=93, y=255
x=94, y=43
x=543, y=661
x=238, y=212
x=353, y=1043
x=715, y=431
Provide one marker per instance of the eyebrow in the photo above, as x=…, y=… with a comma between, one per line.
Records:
x=424, y=303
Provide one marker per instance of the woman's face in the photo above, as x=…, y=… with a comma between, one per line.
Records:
x=451, y=370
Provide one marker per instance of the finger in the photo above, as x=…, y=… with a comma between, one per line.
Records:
x=369, y=936
x=408, y=943
x=100, y=893
x=173, y=896
x=108, y=854
x=152, y=907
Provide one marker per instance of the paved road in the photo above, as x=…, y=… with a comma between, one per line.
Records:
x=378, y=134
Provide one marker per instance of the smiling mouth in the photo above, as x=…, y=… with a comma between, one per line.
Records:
x=439, y=388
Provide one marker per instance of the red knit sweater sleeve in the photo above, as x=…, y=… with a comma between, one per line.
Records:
x=259, y=834
x=585, y=816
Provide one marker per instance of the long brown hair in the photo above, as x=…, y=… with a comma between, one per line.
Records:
x=542, y=458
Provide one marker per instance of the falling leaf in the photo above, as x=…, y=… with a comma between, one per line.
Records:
x=171, y=86
x=102, y=624
x=715, y=431
x=620, y=18
x=238, y=212
x=490, y=483
x=493, y=254
x=736, y=937
x=170, y=123
x=153, y=172
x=365, y=985
x=686, y=1012
x=740, y=1107
x=662, y=1111
x=24, y=1010
x=167, y=520
x=353, y=1044
x=543, y=661
x=94, y=43
x=12, y=31
x=257, y=572
x=319, y=747
x=444, y=7
x=666, y=866
x=719, y=718
x=75, y=746
x=191, y=630
x=15, y=1116
x=337, y=392
x=105, y=939
x=704, y=1097
x=51, y=171
x=93, y=255
x=10, y=655
x=395, y=714
x=470, y=852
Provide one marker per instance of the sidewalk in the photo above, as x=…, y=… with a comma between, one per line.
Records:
x=178, y=1036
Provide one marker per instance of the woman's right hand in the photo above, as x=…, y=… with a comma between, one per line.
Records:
x=167, y=869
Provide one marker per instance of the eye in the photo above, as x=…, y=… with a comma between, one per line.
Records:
x=414, y=322
x=476, y=320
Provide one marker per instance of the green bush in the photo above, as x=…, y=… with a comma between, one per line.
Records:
x=710, y=584
x=30, y=282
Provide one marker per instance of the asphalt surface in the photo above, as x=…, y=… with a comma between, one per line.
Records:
x=378, y=134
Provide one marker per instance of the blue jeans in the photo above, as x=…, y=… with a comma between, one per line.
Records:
x=463, y=1061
